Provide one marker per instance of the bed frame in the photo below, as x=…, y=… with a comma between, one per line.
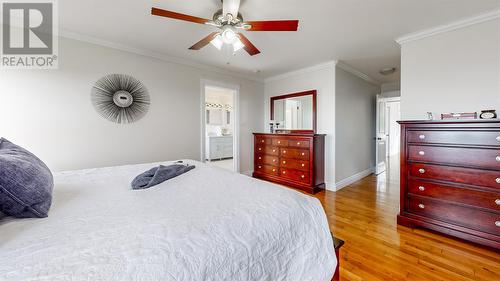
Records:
x=337, y=244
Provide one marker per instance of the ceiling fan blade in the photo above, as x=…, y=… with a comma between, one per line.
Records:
x=177, y=16
x=231, y=7
x=273, y=25
x=205, y=41
x=249, y=47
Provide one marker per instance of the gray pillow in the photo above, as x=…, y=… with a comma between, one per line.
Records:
x=26, y=183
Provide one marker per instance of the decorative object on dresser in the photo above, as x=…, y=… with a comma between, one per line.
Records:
x=295, y=160
x=450, y=178
x=448, y=116
x=488, y=114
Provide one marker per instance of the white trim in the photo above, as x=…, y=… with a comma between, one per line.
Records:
x=155, y=55
x=236, y=118
x=495, y=14
x=357, y=73
x=247, y=173
x=302, y=71
x=354, y=178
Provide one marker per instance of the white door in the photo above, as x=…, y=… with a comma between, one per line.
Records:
x=381, y=137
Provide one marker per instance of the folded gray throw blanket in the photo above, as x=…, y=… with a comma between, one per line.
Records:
x=159, y=174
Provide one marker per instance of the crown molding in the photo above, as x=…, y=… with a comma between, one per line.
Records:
x=357, y=73
x=492, y=15
x=329, y=64
x=160, y=56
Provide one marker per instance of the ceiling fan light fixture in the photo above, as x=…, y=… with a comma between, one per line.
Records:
x=228, y=35
x=238, y=45
x=217, y=42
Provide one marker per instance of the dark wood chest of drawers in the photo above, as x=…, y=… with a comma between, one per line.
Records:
x=450, y=178
x=296, y=160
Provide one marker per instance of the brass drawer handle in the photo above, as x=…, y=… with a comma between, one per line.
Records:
x=303, y=154
x=284, y=151
x=279, y=142
x=262, y=141
x=303, y=165
x=260, y=149
x=422, y=153
x=497, y=180
x=498, y=139
x=421, y=188
x=421, y=206
x=284, y=162
x=274, y=160
x=303, y=176
x=260, y=158
x=497, y=158
x=274, y=170
x=497, y=201
x=422, y=137
x=260, y=167
x=497, y=223
x=298, y=143
x=274, y=150
x=284, y=172
x=422, y=171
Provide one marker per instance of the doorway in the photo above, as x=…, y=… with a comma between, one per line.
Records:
x=219, y=111
x=388, y=135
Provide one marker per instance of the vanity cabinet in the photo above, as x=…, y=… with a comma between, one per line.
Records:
x=219, y=147
x=295, y=160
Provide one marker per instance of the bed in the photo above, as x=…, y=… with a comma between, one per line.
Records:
x=207, y=224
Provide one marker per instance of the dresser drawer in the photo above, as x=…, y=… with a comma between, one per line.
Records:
x=294, y=153
x=455, y=174
x=299, y=143
x=295, y=175
x=475, y=157
x=455, y=137
x=487, y=200
x=270, y=150
x=267, y=169
x=267, y=160
x=263, y=140
x=294, y=164
x=464, y=216
x=279, y=142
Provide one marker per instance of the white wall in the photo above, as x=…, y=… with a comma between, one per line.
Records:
x=355, y=101
x=49, y=111
x=390, y=90
x=456, y=71
x=322, y=79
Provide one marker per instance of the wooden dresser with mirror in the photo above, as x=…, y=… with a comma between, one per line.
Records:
x=294, y=155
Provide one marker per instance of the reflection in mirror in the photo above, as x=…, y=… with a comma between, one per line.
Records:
x=295, y=113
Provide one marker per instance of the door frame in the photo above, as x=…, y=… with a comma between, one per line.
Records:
x=378, y=167
x=236, y=118
x=387, y=115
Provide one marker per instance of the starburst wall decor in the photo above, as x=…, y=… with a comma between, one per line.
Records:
x=120, y=98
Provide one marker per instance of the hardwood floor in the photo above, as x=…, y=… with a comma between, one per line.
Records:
x=376, y=248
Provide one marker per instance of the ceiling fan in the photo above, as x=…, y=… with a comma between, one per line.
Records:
x=231, y=24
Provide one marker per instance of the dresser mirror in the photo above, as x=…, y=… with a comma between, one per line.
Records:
x=294, y=113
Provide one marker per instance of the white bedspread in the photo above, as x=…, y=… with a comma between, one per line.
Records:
x=208, y=224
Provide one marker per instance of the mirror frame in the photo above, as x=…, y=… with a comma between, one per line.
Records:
x=312, y=93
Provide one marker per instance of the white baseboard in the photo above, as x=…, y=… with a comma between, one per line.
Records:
x=247, y=173
x=354, y=178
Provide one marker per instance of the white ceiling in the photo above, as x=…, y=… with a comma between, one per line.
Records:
x=360, y=33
